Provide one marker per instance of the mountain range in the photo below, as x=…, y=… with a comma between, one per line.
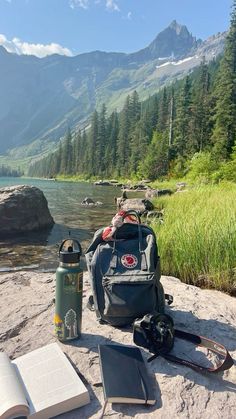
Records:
x=42, y=97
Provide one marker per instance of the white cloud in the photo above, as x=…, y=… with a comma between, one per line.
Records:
x=40, y=50
x=129, y=16
x=112, y=5
x=80, y=3
x=84, y=4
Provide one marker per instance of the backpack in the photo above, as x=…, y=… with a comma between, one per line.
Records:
x=125, y=273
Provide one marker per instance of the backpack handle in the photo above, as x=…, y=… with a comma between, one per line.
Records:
x=113, y=262
x=132, y=212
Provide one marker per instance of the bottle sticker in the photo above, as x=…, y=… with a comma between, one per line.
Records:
x=79, y=282
x=59, y=328
x=70, y=282
x=71, y=324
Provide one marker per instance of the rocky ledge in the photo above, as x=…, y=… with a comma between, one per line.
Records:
x=26, y=323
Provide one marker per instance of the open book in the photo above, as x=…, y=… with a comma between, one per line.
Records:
x=39, y=385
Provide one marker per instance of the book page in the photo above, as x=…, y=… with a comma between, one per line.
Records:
x=50, y=380
x=12, y=398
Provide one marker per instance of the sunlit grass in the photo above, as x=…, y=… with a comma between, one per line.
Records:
x=197, y=240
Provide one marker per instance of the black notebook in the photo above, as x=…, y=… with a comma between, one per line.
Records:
x=124, y=375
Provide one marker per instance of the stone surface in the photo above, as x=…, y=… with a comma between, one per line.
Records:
x=23, y=208
x=135, y=204
x=151, y=193
x=154, y=193
x=26, y=323
x=88, y=201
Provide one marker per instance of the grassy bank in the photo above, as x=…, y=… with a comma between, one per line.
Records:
x=197, y=240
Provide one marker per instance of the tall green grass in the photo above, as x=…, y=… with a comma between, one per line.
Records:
x=197, y=239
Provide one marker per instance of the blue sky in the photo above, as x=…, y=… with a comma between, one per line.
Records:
x=72, y=27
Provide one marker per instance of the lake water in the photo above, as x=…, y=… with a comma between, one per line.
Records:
x=39, y=250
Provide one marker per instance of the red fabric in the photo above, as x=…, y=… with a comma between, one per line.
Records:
x=117, y=222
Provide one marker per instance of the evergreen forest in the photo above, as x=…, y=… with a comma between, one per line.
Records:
x=188, y=127
x=6, y=171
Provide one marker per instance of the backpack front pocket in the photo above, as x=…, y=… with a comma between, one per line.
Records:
x=129, y=295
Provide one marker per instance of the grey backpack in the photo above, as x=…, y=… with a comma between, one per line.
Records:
x=125, y=274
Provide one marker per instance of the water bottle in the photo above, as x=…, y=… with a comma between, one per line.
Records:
x=69, y=289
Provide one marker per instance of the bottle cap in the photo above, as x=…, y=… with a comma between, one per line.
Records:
x=70, y=251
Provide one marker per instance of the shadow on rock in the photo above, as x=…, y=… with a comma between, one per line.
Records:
x=214, y=329
x=91, y=342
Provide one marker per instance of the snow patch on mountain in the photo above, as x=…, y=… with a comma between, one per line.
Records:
x=179, y=62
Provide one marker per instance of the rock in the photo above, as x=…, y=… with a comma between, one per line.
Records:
x=113, y=181
x=151, y=193
x=180, y=186
x=88, y=201
x=137, y=204
x=154, y=193
x=139, y=187
x=102, y=183
x=22, y=209
x=136, y=188
x=26, y=323
x=162, y=192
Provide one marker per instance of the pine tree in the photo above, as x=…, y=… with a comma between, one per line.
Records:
x=135, y=109
x=93, y=162
x=156, y=162
x=201, y=110
x=163, y=113
x=111, y=145
x=101, y=141
x=77, y=150
x=66, y=154
x=123, y=143
x=84, y=154
x=59, y=158
x=183, y=119
x=224, y=133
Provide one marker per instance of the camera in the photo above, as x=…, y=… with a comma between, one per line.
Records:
x=155, y=332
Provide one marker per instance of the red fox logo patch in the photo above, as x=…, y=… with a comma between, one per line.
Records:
x=129, y=261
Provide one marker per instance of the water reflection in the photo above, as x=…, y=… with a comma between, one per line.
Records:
x=40, y=249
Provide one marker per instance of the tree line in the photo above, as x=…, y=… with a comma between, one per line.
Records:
x=6, y=171
x=159, y=136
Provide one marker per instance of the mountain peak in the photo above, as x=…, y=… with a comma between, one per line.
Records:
x=177, y=27
x=174, y=40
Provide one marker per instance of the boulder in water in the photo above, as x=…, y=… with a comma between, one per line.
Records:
x=23, y=208
x=88, y=201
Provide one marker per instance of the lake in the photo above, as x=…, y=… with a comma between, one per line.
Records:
x=39, y=250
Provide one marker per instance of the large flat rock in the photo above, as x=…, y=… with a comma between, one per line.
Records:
x=26, y=323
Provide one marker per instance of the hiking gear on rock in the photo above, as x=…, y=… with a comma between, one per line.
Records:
x=156, y=333
x=69, y=291
x=125, y=271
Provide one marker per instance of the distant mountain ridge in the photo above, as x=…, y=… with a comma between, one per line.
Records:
x=42, y=97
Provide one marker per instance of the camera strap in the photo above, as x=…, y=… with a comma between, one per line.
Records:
x=224, y=361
